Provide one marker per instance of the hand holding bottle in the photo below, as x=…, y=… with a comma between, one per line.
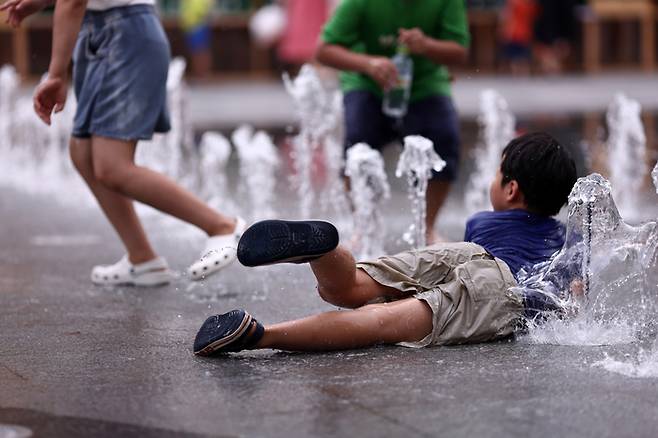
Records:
x=383, y=71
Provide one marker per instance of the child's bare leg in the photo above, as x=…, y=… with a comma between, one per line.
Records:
x=437, y=192
x=400, y=321
x=114, y=167
x=117, y=208
x=342, y=284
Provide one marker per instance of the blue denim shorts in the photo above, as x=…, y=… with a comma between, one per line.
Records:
x=120, y=67
x=433, y=117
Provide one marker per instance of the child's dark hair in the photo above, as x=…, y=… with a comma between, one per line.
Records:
x=543, y=169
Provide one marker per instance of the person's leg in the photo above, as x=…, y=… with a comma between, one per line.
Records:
x=114, y=168
x=406, y=320
x=437, y=192
x=339, y=281
x=435, y=118
x=117, y=208
x=365, y=122
x=342, y=284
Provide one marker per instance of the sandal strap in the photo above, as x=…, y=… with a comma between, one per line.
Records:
x=256, y=336
x=248, y=340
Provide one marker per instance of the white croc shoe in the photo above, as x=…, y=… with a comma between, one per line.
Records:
x=152, y=273
x=220, y=251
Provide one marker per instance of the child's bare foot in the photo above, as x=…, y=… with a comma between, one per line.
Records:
x=432, y=238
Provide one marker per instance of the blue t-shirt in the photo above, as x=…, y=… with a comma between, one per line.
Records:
x=517, y=237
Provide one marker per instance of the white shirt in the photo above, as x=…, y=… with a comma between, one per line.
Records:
x=101, y=5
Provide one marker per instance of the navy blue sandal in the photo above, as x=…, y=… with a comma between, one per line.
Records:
x=276, y=241
x=230, y=332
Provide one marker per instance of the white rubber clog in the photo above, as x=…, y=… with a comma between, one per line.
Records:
x=152, y=273
x=219, y=252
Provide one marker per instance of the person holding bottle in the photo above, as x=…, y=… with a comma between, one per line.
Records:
x=365, y=39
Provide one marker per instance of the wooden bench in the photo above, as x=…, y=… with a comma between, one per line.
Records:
x=19, y=48
x=642, y=11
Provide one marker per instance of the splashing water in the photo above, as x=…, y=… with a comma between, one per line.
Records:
x=214, y=152
x=369, y=188
x=645, y=365
x=603, y=280
x=496, y=130
x=8, y=89
x=416, y=163
x=335, y=196
x=258, y=164
x=320, y=118
x=31, y=151
x=626, y=153
x=14, y=431
x=654, y=177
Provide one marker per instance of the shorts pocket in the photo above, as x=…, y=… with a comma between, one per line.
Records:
x=483, y=279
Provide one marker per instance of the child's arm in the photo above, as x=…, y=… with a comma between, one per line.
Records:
x=51, y=94
x=438, y=51
x=380, y=68
x=18, y=10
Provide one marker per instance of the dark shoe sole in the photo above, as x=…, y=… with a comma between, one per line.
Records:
x=211, y=336
x=276, y=241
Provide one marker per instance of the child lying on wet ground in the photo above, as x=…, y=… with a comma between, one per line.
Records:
x=450, y=293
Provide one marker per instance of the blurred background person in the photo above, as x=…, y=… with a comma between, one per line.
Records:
x=299, y=41
x=195, y=21
x=361, y=38
x=554, y=33
x=293, y=27
x=517, y=30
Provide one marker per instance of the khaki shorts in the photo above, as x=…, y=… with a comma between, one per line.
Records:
x=466, y=288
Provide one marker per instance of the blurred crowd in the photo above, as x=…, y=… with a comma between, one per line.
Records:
x=537, y=29
x=533, y=35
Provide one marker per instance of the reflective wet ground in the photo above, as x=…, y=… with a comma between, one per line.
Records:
x=78, y=360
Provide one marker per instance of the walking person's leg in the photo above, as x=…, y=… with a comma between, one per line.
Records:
x=141, y=266
x=115, y=168
x=118, y=208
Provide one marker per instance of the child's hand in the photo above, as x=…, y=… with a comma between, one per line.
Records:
x=383, y=71
x=577, y=288
x=50, y=96
x=414, y=39
x=17, y=10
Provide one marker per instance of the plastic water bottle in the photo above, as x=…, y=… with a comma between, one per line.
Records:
x=396, y=98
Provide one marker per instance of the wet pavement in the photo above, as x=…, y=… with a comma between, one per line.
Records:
x=78, y=360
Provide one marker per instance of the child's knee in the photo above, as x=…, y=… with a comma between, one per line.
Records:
x=109, y=175
x=341, y=298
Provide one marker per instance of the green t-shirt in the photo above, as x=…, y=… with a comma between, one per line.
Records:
x=371, y=26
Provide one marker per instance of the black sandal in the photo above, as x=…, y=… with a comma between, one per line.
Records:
x=276, y=241
x=230, y=332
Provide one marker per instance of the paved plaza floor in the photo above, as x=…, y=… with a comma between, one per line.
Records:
x=78, y=360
